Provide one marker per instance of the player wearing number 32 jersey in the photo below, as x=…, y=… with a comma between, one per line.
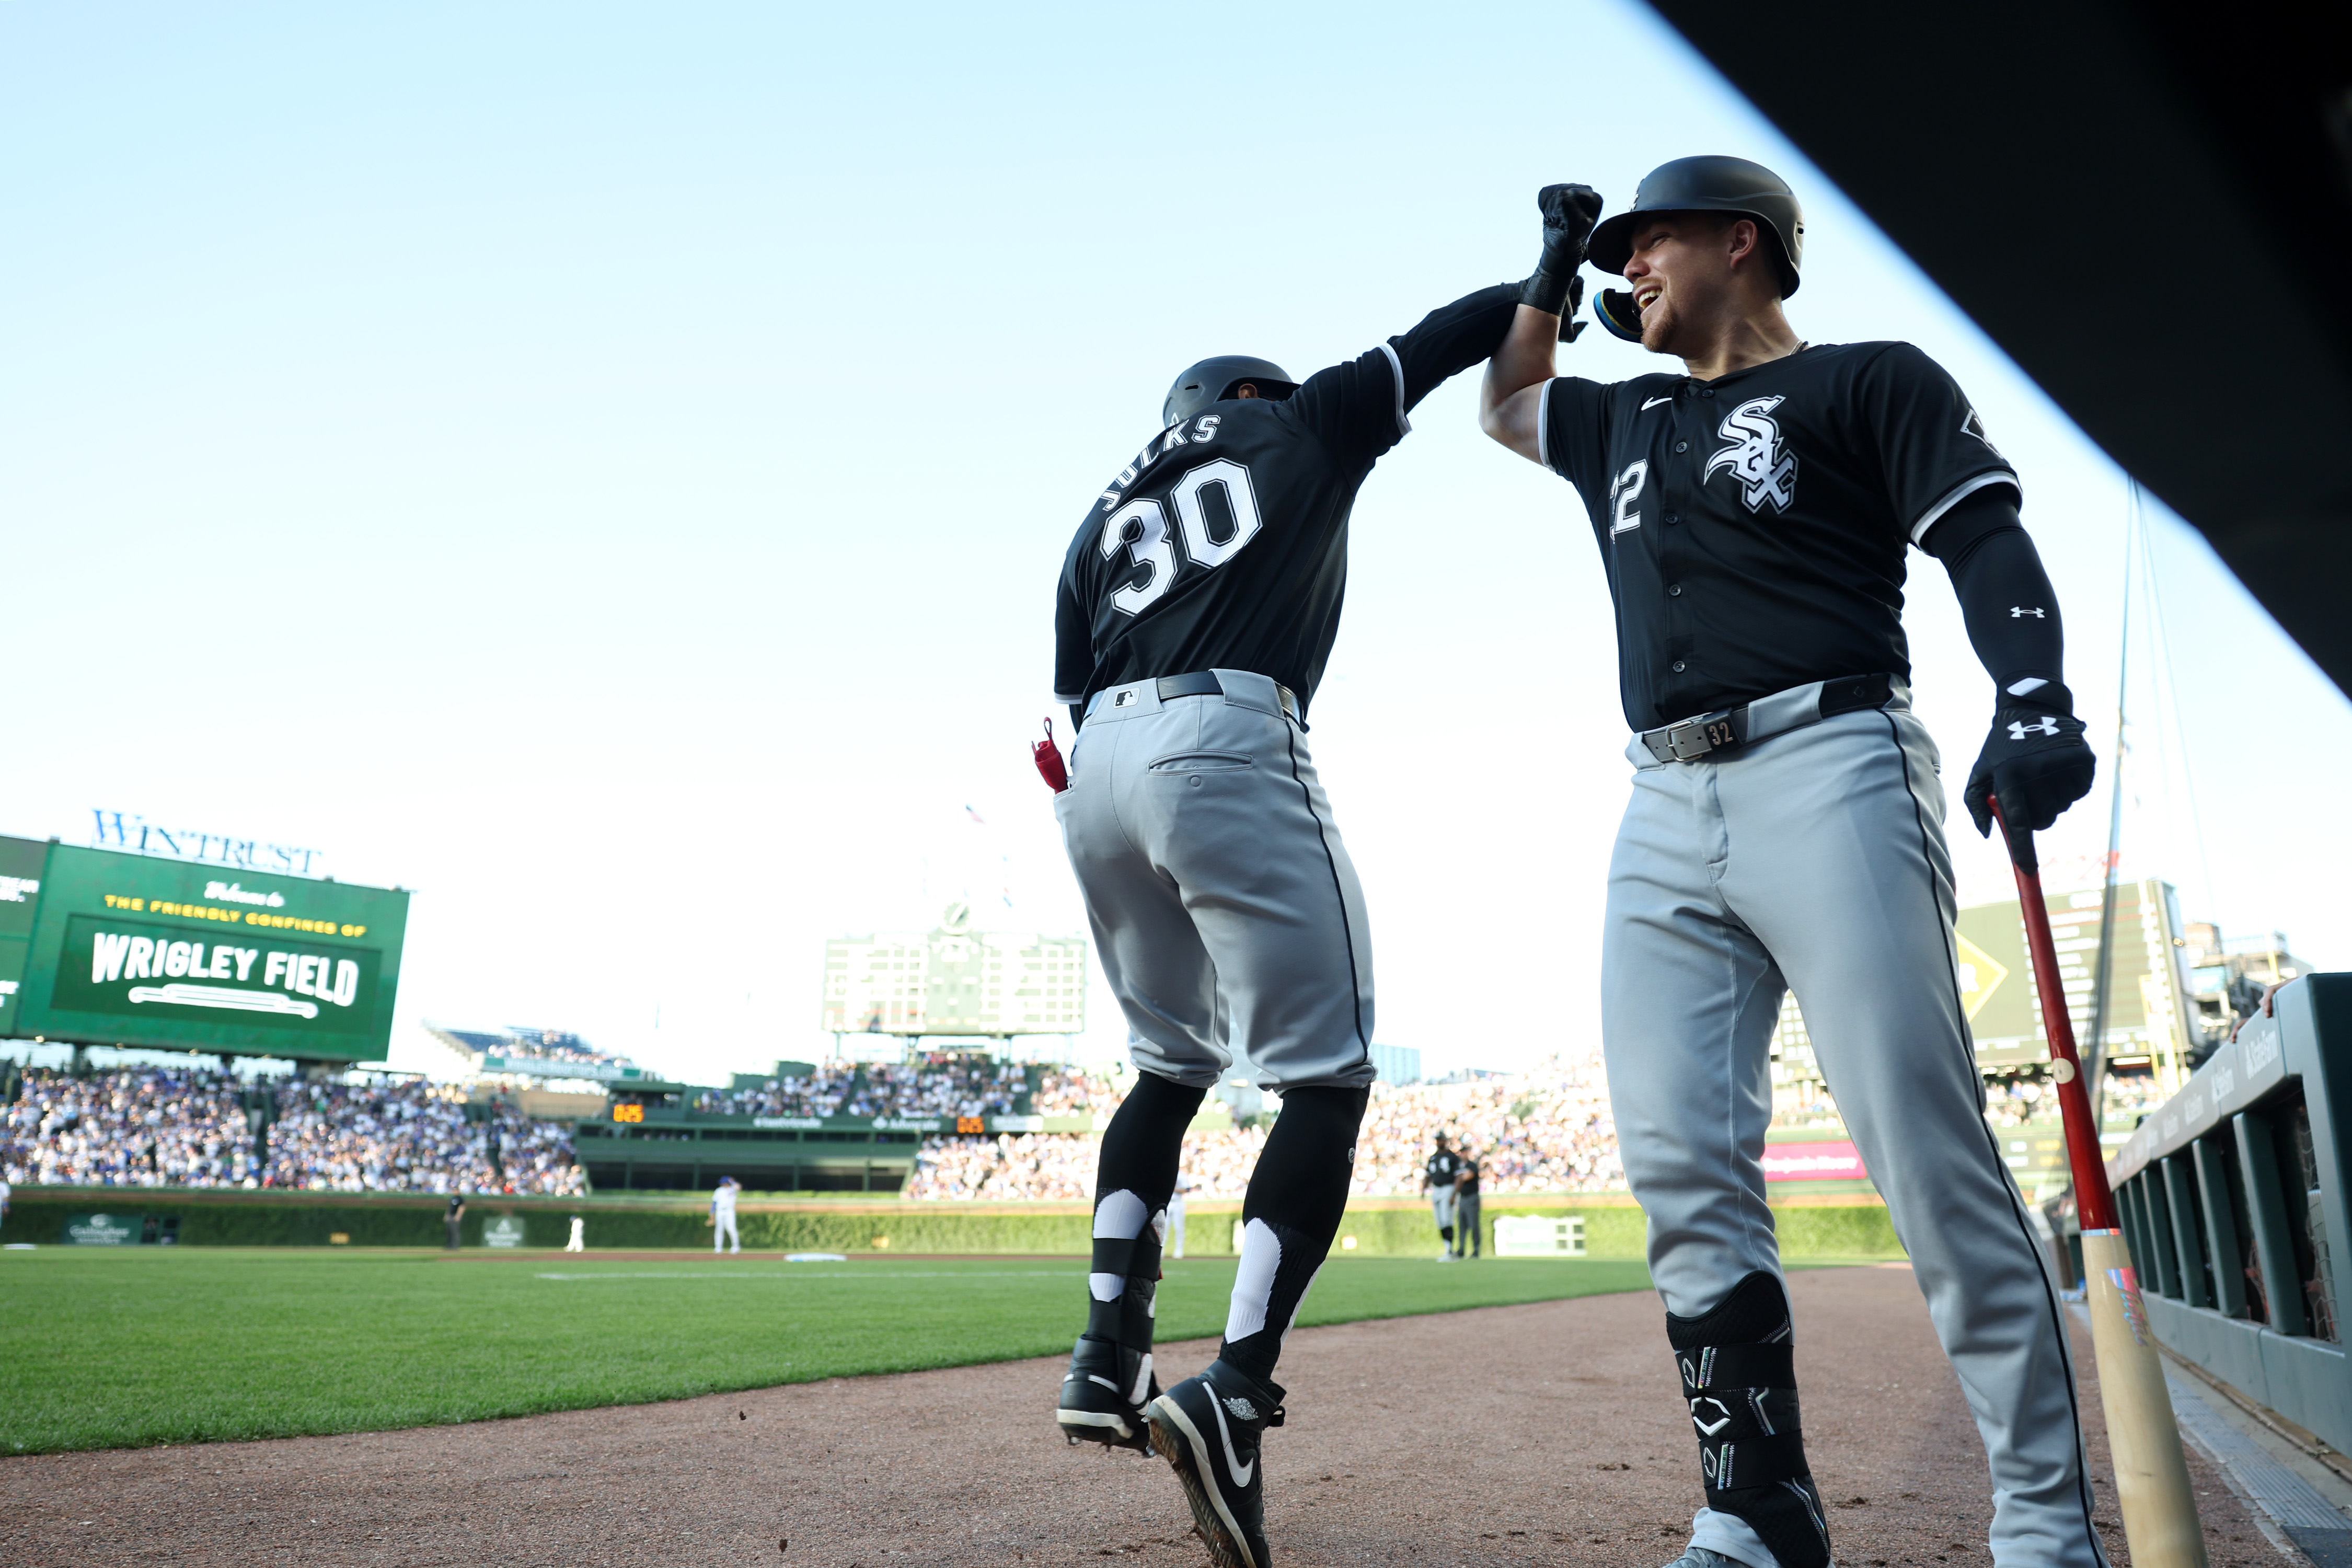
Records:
x=1785, y=830
x=1197, y=608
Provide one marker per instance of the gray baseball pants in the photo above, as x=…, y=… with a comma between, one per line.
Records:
x=1225, y=911
x=1815, y=861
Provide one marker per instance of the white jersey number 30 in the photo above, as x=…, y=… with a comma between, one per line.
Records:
x=1140, y=527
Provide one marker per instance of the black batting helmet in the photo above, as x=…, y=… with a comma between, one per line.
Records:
x=1712, y=184
x=1214, y=380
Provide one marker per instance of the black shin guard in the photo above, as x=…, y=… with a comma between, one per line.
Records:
x=1296, y=1198
x=1134, y=1179
x=1739, y=1374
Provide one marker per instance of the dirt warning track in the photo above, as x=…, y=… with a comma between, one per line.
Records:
x=1535, y=1435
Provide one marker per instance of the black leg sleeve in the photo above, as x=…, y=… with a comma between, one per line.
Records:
x=1298, y=1196
x=1738, y=1373
x=1134, y=1179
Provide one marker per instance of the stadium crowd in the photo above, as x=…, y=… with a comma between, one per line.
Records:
x=1548, y=1131
x=943, y=1087
x=145, y=1126
x=819, y=1094
x=953, y=1088
x=162, y=1127
x=1074, y=1091
x=412, y=1136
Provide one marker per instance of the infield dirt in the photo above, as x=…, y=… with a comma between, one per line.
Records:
x=1532, y=1434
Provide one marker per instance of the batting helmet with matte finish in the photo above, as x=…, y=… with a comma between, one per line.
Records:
x=1713, y=185
x=1214, y=380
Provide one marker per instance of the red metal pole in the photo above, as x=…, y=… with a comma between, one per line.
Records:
x=2095, y=1201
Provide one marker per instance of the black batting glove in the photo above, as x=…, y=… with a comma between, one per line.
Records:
x=1568, y=214
x=2036, y=760
x=1569, y=325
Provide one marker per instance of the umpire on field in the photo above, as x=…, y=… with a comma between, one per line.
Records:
x=1786, y=827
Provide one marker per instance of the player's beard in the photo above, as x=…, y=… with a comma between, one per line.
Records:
x=1658, y=327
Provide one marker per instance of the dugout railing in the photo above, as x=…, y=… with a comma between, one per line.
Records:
x=2233, y=1201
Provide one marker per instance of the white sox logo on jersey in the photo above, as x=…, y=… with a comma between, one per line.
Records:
x=1764, y=471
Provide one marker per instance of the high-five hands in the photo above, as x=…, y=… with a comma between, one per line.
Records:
x=1568, y=214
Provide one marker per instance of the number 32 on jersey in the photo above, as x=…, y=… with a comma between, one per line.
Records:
x=1140, y=527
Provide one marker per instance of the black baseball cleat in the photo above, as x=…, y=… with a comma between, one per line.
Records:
x=1208, y=1427
x=1104, y=1392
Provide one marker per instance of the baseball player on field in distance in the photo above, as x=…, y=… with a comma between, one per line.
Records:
x=1197, y=606
x=722, y=1215
x=1439, y=1176
x=1785, y=830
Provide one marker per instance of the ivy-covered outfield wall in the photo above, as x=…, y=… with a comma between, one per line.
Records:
x=1380, y=1227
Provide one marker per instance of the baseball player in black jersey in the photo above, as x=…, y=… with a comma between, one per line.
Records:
x=1197, y=606
x=1440, y=1175
x=1786, y=825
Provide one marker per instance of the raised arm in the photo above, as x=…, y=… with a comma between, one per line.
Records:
x=1511, y=400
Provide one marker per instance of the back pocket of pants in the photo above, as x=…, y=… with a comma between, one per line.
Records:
x=1202, y=763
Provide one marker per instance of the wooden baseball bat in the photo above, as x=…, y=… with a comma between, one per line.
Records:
x=2151, y=1474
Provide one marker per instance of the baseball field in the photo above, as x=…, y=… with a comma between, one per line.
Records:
x=182, y=1345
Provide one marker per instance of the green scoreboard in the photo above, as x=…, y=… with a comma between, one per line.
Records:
x=107, y=949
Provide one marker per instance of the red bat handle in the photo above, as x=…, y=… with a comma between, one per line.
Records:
x=2095, y=1201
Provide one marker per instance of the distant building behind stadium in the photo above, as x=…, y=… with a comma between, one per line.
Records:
x=955, y=980
x=1397, y=1064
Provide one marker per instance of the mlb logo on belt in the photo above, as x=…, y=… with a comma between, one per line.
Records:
x=1123, y=699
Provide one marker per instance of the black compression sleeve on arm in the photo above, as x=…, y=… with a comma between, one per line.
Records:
x=1357, y=409
x=2005, y=596
x=1453, y=338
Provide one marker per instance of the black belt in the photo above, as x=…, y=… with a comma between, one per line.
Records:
x=1687, y=739
x=1205, y=683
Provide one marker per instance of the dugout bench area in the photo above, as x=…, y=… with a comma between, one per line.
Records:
x=2234, y=1202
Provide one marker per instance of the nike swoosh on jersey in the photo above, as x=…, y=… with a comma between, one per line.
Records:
x=1241, y=1472
x=1653, y=403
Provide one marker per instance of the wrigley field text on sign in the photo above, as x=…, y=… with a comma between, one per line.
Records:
x=136, y=950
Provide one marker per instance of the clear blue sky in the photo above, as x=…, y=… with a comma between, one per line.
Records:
x=606, y=468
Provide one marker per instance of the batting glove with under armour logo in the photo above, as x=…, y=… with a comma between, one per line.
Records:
x=2036, y=760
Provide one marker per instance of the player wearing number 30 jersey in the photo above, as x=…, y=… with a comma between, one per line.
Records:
x=1197, y=606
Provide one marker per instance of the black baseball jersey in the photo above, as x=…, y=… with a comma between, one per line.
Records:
x=1224, y=544
x=1469, y=1175
x=1442, y=1168
x=1754, y=527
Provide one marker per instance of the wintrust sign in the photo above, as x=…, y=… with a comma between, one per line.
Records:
x=131, y=832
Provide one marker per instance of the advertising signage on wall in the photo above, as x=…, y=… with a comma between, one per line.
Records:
x=133, y=950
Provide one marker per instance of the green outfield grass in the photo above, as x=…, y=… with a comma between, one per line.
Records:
x=104, y=1349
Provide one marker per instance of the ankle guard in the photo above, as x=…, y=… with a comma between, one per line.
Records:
x=1738, y=1375
x=1126, y=1318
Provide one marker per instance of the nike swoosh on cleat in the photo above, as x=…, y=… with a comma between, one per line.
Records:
x=1241, y=1472
x=1653, y=403
x=1195, y=1450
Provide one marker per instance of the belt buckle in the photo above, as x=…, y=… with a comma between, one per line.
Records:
x=1688, y=739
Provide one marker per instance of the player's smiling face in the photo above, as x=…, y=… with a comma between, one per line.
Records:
x=1685, y=271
